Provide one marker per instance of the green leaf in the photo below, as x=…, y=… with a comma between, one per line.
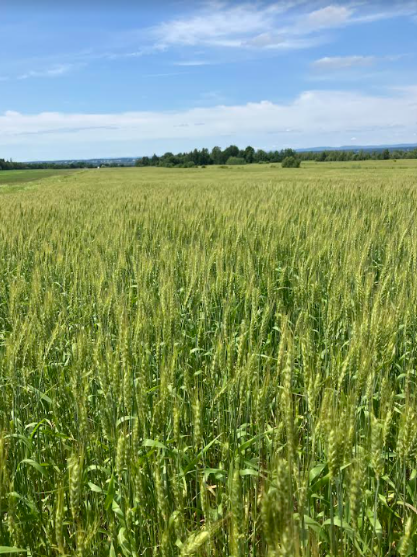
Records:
x=41, y=395
x=117, y=510
x=125, y=419
x=34, y=464
x=123, y=542
x=110, y=494
x=315, y=526
x=200, y=454
x=250, y=442
x=4, y=550
x=316, y=471
x=23, y=438
x=217, y=472
x=152, y=443
x=337, y=522
x=249, y=472
x=373, y=519
x=320, y=482
x=384, y=501
x=95, y=487
x=35, y=429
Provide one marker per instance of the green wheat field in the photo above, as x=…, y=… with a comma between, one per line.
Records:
x=218, y=362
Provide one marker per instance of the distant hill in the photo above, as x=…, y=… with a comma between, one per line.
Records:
x=123, y=161
x=372, y=148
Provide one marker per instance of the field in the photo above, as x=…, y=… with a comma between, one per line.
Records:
x=13, y=177
x=210, y=362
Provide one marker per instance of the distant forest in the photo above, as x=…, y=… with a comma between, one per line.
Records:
x=11, y=165
x=230, y=155
x=234, y=155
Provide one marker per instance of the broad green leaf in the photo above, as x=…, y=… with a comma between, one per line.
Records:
x=249, y=472
x=315, y=472
x=95, y=487
x=155, y=444
x=373, y=519
x=35, y=465
x=123, y=542
x=117, y=510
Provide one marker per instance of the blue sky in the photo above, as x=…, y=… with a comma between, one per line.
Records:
x=96, y=79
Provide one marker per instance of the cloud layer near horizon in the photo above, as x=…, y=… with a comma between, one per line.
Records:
x=313, y=118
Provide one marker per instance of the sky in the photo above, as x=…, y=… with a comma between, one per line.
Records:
x=87, y=79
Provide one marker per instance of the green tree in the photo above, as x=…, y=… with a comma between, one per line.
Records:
x=204, y=157
x=249, y=154
x=261, y=156
x=231, y=151
x=216, y=155
x=290, y=162
x=235, y=160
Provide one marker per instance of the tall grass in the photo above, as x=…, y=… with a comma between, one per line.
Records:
x=223, y=366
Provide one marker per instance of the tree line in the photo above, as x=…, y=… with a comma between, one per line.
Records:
x=11, y=165
x=234, y=155
x=230, y=155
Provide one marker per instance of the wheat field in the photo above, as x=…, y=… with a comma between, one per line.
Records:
x=210, y=362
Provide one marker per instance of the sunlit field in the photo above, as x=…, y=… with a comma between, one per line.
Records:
x=13, y=177
x=218, y=362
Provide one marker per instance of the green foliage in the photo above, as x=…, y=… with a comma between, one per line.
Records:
x=235, y=161
x=210, y=363
x=290, y=162
x=249, y=155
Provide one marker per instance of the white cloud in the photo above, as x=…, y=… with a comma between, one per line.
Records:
x=396, y=8
x=313, y=118
x=328, y=66
x=55, y=71
x=192, y=63
x=281, y=41
x=330, y=63
x=216, y=25
x=263, y=26
x=252, y=25
x=245, y=26
x=325, y=18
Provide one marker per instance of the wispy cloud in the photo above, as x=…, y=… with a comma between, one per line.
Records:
x=269, y=26
x=218, y=25
x=396, y=8
x=331, y=63
x=193, y=63
x=324, y=18
x=223, y=26
x=55, y=71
